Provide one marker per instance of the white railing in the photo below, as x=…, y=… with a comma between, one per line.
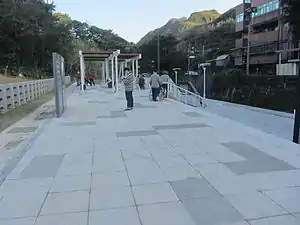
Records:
x=182, y=95
x=16, y=94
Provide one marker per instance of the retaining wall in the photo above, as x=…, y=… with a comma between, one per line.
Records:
x=16, y=94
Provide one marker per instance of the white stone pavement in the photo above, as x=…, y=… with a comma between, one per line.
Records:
x=160, y=164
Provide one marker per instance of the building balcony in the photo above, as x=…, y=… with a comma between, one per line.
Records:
x=260, y=38
x=266, y=18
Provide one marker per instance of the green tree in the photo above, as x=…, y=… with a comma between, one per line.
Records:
x=291, y=9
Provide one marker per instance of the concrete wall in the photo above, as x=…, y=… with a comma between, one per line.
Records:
x=16, y=94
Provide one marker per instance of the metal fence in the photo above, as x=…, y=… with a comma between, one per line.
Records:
x=182, y=95
x=59, y=83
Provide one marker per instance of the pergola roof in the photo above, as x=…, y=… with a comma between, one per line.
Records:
x=101, y=56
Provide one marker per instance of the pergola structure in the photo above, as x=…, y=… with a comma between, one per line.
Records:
x=114, y=59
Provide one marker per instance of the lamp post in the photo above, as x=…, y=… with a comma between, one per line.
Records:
x=176, y=75
x=204, y=66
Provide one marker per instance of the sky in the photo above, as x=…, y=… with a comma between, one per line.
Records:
x=132, y=19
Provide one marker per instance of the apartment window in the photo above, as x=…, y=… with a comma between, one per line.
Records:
x=265, y=8
x=240, y=18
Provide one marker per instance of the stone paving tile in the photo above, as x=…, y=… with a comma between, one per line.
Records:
x=288, y=198
x=179, y=126
x=200, y=158
x=192, y=114
x=193, y=188
x=66, y=219
x=71, y=183
x=66, y=202
x=108, y=166
x=67, y=169
x=112, y=179
x=154, y=193
x=212, y=211
x=23, y=221
x=257, y=206
x=43, y=166
x=138, y=133
x=168, y=162
x=257, y=160
x=148, y=176
x=165, y=213
x=16, y=205
x=121, y=216
x=180, y=172
x=111, y=197
x=277, y=220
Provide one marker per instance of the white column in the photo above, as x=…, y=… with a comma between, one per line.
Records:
x=103, y=73
x=106, y=70
x=126, y=63
x=122, y=71
x=116, y=73
x=137, y=67
x=204, y=82
x=133, y=69
x=112, y=74
x=81, y=69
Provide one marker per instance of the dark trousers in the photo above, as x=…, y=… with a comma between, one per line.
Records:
x=165, y=86
x=155, y=93
x=129, y=99
x=92, y=82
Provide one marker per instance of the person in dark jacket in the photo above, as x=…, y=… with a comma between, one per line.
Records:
x=142, y=82
x=128, y=80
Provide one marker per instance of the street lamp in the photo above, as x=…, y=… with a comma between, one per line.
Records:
x=204, y=66
x=176, y=77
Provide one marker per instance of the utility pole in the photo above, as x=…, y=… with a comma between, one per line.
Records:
x=248, y=47
x=158, y=52
x=249, y=12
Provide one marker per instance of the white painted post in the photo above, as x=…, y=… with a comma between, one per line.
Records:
x=81, y=70
x=133, y=69
x=126, y=61
x=176, y=80
x=204, y=82
x=112, y=74
x=116, y=72
x=137, y=67
x=106, y=70
x=103, y=73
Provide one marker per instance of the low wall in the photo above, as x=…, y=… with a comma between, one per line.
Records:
x=16, y=94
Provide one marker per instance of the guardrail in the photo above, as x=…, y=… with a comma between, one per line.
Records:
x=182, y=95
x=16, y=94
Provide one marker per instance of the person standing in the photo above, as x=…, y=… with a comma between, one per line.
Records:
x=128, y=80
x=141, y=82
x=155, y=82
x=165, y=80
x=91, y=79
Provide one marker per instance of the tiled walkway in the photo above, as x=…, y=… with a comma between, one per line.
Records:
x=160, y=164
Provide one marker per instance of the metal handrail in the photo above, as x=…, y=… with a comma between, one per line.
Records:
x=182, y=95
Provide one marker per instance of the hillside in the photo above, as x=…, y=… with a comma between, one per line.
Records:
x=176, y=27
x=220, y=33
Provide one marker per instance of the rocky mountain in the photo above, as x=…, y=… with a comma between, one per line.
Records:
x=176, y=27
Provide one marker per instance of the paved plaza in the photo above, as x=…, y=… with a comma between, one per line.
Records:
x=163, y=163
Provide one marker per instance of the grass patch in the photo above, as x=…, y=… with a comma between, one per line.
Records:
x=7, y=79
x=18, y=113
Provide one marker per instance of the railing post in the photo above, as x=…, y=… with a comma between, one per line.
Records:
x=186, y=98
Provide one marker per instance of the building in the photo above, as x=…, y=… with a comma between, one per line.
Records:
x=268, y=34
